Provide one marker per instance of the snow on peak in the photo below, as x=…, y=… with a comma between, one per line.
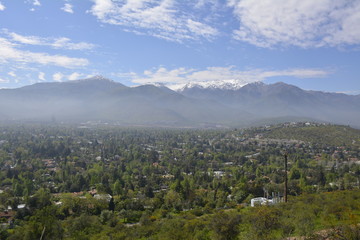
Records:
x=231, y=84
x=224, y=85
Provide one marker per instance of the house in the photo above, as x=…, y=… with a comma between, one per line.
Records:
x=106, y=197
x=49, y=163
x=260, y=201
x=164, y=187
x=219, y=174
x=168, y=176
x=21, y=206
x=6, y=217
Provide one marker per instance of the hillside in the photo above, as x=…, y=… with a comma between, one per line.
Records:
x=333, y=135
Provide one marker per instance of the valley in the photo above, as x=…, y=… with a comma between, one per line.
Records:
x=134, y=183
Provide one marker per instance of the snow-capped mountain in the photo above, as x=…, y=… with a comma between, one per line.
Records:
x=224, y=85
x=281, y=99
x=226, y=103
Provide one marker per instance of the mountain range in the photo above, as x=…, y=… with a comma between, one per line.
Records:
x=227, y=105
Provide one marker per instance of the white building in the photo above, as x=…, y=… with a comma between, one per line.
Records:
x=259, y=201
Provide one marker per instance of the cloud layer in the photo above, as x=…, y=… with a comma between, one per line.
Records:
x=16, y=56
x=10, y=52
x=56, y=43
x=302, y=23
x=166, y=19
x=266, y=23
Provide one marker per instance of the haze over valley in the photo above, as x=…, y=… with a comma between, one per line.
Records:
x=174, y=120
x=101, y=99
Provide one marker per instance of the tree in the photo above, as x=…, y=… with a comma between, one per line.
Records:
x=263, y=220
x=45, y=222
x=172, y=200
x=40, y=199
x=225, y=225
x=112, y=205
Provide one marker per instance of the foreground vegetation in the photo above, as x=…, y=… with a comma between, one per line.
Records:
x=62, y=182
x=315, y=216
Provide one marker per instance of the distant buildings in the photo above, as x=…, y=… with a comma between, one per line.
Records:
x=261, y=201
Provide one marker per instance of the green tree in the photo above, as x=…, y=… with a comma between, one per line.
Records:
x=225, y=225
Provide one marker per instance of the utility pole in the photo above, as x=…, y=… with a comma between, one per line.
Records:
x=42, y=234
x=286, y=177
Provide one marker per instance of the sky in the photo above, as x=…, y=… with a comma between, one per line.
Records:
x=314, y=45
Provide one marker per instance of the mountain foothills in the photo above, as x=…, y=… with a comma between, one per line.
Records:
x=225, y=105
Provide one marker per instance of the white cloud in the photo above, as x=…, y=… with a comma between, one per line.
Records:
x=65, y=43
x=2, y=7
x=201, y=29
x=68, y=8
x=74, y=76
x=201, y=3
x=36, y=3
x=58, y=77
x=302, y=23
x=41, y=76
x=57, y=43
x=4, y=80
x=12, y=74
x=177, y=78
x=166, y=19
x=32, y=40
x=10, y=52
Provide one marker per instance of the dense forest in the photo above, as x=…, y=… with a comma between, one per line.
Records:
x=107, y=182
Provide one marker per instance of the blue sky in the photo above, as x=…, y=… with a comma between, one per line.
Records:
x=312, y=44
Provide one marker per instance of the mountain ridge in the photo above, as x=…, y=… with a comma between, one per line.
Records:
x=101, y=99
